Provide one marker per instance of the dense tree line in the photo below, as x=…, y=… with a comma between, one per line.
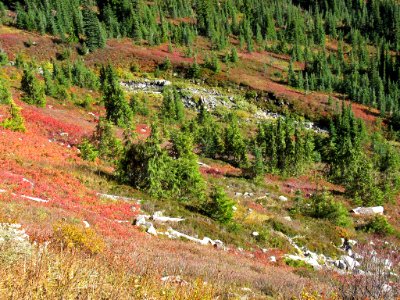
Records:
x=288, y=26
x=250, y=20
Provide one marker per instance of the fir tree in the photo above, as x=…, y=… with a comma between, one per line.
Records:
x=92, y=27
x=220, y=207
x=33, y=92
x=117, y=107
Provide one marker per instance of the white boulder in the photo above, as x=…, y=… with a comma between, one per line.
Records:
x=368, y=211
x=283, y=198
x=151, y=230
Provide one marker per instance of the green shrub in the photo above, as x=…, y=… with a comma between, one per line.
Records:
x=324, y=206
x=213, y=63
x=134, y=67
x=5, y=95
x=88, y=150
x=166, y=65
x=281, y=227
x=379, y=225
x=20, y=61
x=220, y=207
x=138, y=105
x=3, y=58
x=86, y=102
x=297, y=263
x=15, y=122
x=64, y=54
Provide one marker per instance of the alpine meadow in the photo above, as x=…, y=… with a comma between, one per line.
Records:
x=200, y=149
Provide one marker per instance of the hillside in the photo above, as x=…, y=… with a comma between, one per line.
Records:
x=199, y=149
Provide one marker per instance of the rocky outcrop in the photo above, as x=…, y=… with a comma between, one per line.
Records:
x=145, y=85
x=368, y=211
x=193, y=97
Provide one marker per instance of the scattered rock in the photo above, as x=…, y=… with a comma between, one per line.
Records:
x=283, y=198
x=255, y=233
x=308, y=260
x=114, y=197
x=141, y=220
x=207, y=241
x=201, y=164
x=86, y=223
x=33, y=198
x=158, y=217
x=174, y=280
x=151, y=230
x=350, y=262
x=340, y=264
x=219, y=244
x=28, y=181
x=171, y=233
x=272, y=259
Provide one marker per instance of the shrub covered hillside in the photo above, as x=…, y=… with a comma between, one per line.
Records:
x=199, y=149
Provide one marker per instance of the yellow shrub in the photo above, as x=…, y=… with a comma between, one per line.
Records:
x=75, y=237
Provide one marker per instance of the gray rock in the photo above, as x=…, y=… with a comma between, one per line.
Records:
x=350, y=262
x=141, y=220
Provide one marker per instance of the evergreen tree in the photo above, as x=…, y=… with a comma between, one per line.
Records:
x=33, y=92
x=220, y=207
x=208, y=134
x=117, y=107
x=172, y=107
x=258, y=168
x=292, y=79
x=92, y=27
x=234, y=55
x=235, y=146
x=107, y=145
